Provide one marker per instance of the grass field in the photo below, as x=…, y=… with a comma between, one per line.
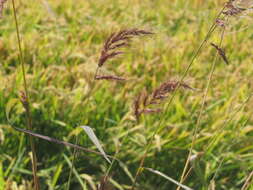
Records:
x=61, y=43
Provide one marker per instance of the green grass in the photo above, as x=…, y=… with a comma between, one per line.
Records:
x=61, y=48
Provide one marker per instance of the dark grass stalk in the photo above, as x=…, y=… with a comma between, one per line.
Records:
x=160, y=127
x=28, y=113
x=53, y=140
x=201, y=110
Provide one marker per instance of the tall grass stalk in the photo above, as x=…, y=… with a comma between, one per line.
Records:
x=160, y=127
x=201, y=110
x=28, y=113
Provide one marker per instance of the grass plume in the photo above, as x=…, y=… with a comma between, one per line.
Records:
x=221, y=53
x=112, y=46
x=144, y=101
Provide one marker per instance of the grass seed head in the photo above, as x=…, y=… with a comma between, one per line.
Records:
x=219, y=22
x=144, y=100
x=118, y=40
x=221, y=53
x=231, y=9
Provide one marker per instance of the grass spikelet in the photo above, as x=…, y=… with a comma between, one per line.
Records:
x=220, y=22
x=116, y=41
x=144, y=100
x=221, y=53
x=165, y=88
x=231, y=9
x=112, y=45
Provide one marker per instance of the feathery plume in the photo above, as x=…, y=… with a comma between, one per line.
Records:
x=112, y=45
x=116, y=41
x=144, y=101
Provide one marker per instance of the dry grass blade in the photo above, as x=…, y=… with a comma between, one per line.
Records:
x=109, y=77
x=144, y=100
x=89, y=131
x=248, y=181
x=168, y=178
x=116, y=41
x=221, y=53
x=2, y=2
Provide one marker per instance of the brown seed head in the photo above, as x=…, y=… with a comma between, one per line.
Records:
x=221, y=53
x=231, y=10
x=116, y=41
x=144, y=100
x=220, y=22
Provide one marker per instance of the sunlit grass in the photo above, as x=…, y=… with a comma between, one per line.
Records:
x=62, y=43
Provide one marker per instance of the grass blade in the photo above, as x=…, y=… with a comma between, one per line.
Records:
x=95, y=140
x=168, y=178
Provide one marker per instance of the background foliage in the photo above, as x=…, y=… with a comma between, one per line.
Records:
x=62, y=40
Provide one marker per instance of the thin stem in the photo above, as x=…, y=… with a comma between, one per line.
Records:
x=28, y=113
x=76, y=140
x=72, y=163
x=160, y=127
x=96, y=72
x=201, y=111
x=247, y=182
